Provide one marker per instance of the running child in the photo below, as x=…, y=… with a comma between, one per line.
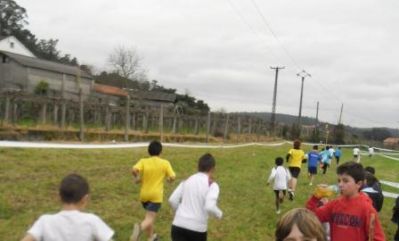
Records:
x=281, y=176
x=351, y=216
x=151, y=172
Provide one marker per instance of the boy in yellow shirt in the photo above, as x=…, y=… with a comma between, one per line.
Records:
x=151, y=172
x=295, y=157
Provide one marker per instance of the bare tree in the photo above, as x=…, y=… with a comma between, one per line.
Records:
x=126, y=62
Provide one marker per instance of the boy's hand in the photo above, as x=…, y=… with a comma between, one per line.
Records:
x=137, y=180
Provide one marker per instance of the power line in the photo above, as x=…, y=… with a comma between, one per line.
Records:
x=274, y=35
x=242, y=19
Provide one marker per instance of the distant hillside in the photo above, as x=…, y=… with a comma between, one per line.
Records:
x=353, y=134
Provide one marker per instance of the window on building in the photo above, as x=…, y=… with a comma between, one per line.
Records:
x=12, y=45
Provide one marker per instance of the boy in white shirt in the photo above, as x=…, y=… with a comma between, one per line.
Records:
x=194, y=200
x=281, y=176
x=70, y=224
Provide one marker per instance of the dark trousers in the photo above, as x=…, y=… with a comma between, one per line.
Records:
x=182, y=234
x=325, y=166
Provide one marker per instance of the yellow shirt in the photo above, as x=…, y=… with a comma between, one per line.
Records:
x=153, y=171
x=296, y=158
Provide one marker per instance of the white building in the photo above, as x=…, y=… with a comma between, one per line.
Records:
x=12, y=44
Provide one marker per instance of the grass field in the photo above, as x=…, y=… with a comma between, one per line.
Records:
x=29, y=180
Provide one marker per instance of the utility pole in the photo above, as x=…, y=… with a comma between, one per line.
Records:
x=340, y=114
x=317, y=115
x=303, y=74
x=273, y=117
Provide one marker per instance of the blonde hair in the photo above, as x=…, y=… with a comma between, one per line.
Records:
x=305, y=220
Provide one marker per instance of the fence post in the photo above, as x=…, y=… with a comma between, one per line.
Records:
x=7, y=110
x=15, y=112
x=63, y=114
x=107, y=118
x=208, y=126
x=174, y=124
x=196, y=126
x=81, y=114
x=55, y=113
x=161, y=122
x=127, y=118
x=226, y=127
x=43, y=113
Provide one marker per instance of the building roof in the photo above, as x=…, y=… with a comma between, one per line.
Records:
x=109, y=90
x=46, y=65
x=391, y=140
x=2, y=37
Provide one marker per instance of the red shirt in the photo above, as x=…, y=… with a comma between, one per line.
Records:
x=352, y=219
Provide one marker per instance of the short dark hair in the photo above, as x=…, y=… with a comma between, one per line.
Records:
x=352, y=169
x=154, y=148
x=370, y=169
x=73, y=188
x=315, y=147
x=370, y=179
x=297, y=144
x=279, y=161
x=206, y=162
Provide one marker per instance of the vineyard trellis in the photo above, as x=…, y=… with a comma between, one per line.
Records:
x=131, y=116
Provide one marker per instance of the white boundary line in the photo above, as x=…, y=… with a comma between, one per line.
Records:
x=18, y=144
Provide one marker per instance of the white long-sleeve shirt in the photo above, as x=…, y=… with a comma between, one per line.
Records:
x=281, y=177
x=194, y=199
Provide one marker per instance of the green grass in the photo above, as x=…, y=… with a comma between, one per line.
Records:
x=29, y=180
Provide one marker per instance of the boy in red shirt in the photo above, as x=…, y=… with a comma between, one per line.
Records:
x=351, y=216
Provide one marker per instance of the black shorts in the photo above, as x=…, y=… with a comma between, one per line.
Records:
x=150, y=206
x=182, y=234
x=276, y=192
x=294, y=171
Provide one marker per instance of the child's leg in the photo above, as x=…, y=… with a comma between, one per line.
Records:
x=148, y=223
x=277, y=201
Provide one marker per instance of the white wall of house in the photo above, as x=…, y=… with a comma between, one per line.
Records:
x=11, y=44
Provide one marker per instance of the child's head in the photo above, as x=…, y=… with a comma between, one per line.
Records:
x=350, y=178
x=73, y=189
x=206, y=163
x=279, y=161
x=370, y=179
x=155, y=148
x=370, y=169
x=297, y=144
x=315, y=147
x=300, y=224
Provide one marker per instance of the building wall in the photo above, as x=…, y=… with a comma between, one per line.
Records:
x=11, y=44
x=59, y=82
x=13, y=76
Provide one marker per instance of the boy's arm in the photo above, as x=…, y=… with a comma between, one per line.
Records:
x=28, y=237
x=171, y=176
x=322, y=212
x=211, y=201
x=175, y=198
x=374, y=229
x=287, y=157
x=272, y=175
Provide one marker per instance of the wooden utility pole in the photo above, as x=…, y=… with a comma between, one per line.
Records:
x=317, y=115
x=273, y=116
x=340, y=114
x=303, y=74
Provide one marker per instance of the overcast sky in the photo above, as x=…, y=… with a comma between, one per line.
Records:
x=220, y=51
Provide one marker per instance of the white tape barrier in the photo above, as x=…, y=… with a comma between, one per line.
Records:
x=391, y=184
x=390, y=194
x=18, y=144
